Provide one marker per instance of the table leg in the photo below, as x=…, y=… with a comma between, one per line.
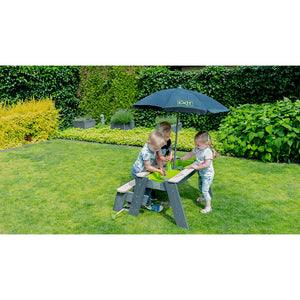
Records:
x=138, y=196
x=119, y=201
x=176, y=205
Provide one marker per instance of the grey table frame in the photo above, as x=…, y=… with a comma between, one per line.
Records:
x=138, y=198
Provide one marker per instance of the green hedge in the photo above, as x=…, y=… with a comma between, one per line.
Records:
x=269, y=132
x=231, y=87
x=59, y=82
x=106, y=89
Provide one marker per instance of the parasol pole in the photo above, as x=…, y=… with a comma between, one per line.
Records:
x=174, y=163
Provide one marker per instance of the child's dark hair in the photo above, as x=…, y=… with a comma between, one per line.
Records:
x=203, y=137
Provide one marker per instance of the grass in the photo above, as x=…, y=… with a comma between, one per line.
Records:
x=65, y=187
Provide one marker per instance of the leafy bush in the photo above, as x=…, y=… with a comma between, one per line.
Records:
x=105, y=89
x=29, y=121
x=41, y=82
x=269, y=132
x=122, y=116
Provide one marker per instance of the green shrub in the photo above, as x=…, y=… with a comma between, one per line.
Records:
x=122, y=116
x=41, y=82
x=105, y=89
x=269, y=132
x=29, y=121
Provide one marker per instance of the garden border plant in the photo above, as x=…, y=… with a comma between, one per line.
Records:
x=269, y=132
x=27, y=122
x=135, y=137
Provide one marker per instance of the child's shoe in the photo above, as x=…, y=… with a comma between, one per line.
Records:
x=206, y=210
x=154, y=207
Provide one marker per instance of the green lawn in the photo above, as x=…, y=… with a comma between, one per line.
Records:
x=67, y=187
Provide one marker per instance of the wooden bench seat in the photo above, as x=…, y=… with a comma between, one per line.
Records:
x=129, y=185
x=126, y=187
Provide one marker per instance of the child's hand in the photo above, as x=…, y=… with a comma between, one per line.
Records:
x=163, y=172
x=181, y=159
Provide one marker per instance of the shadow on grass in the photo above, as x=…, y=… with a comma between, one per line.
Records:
x=188, y=193
x=168, y=217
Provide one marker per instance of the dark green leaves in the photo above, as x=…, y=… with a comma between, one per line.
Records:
x=272, y=136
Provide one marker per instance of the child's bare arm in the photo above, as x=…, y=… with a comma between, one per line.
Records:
x=160, y=164
x=169, y=156
x=150, y=168
x=187, y=156
x=201, y=166
x=160, y=156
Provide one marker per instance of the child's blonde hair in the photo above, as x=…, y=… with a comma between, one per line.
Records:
x=202, y=137
x=156, y=139
x=164, y=127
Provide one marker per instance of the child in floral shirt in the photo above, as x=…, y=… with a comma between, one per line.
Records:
x=145, y=162
x=205, y=154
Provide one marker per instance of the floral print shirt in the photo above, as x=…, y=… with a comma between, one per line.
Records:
x=145, y=154
x=203, y=155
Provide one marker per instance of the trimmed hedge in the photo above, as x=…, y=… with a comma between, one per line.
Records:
x=29, y=121
x=106, y=89
x=59, y=82
x=231, y=87
x=269, y=132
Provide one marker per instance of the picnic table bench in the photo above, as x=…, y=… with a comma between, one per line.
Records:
x=138, y=197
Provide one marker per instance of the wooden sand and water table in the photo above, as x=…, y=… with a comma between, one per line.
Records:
x=155, y=181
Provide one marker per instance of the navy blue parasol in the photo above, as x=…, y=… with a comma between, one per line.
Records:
x=180, y=100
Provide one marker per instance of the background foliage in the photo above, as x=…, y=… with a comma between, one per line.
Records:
x=231, y=87
x=40, y=82
x=269, y=132
x=106, y=89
